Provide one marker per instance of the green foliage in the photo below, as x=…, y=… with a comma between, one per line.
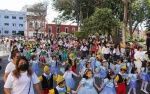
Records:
x=102, y=21
x=142, y=40
x=80, y=34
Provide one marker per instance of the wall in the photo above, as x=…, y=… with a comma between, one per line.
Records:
x=62, y=28
x=11, y=21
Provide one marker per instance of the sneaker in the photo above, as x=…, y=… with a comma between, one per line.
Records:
x=145, y=91
x=73, y=91
x=142, y=90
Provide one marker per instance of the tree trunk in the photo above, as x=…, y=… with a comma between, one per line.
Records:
x=130, y=25
x=125, y=21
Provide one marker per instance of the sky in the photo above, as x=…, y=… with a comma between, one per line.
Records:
x=17, y=5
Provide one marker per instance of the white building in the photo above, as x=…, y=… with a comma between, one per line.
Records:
x=12, y=23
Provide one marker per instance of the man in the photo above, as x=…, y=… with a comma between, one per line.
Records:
x=121, y=80
x=12, y=65
x=148, y=42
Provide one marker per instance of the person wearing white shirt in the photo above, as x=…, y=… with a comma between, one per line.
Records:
x=11, y=66
x=116, y=53
x=22, y=79
x=106, y=51
x=84, y=50
x=139, y=56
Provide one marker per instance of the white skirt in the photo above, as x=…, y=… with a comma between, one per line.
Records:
x=138, y=65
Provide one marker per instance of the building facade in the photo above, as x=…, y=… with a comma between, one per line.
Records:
x=33, y=23
x=12, y=23
x=55, y=29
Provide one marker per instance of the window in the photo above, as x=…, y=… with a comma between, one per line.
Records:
x=21, y=18
x=13, y=24
x=6, y=24
x=50, y=29
x=30, y=25
x=20, y=25
x=73, y=29
x=58, y=30
x=13, y=17
x=6, y=31
x=66, y=29
x=6, y=17
x=13, y=32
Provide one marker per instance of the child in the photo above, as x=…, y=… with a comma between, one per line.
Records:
x=145, y=76
x=87, y=66
x=108, y=87
x=82, y=63
x=103, y=70
x=123, y=62
x=117, y=67
x=61, y=87
x=86, y=84
x=34, y=63
x=68, y=77
x=43, y=55
x=54, y=65
x=98, y=63
x=130, y=64
x=93, y=60
x=121, y=81
x=133, y=80
x=47, y=80
x=28, y=54
x=72, y=62
x=64, y=55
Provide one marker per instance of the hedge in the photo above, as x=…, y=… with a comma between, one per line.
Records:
x=80, y=34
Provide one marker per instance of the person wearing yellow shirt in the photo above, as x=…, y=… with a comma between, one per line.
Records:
x=121, y=81
x=72, y=62
x=61, y=87
x=47, y=80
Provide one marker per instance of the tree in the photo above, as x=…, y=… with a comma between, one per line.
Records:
x=102, y=21
x=124, y=28
x=58, y=21
x=37, y=16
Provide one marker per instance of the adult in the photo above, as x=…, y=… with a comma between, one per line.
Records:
x=10, y=55
x=139, y=57
x=21, y=80
x=116, y=52
x=122, y=48
x=106, y=51
x=133, y=48
x=11, y=66
x=84, y=50
x=148, y=42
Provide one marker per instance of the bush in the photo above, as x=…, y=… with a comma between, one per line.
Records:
x=80, y=34
x=142, y=40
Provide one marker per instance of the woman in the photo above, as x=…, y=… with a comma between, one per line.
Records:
x=106, y=51
x=21, y=80
x=116, y=52
x=13, y=50
x=84, y=49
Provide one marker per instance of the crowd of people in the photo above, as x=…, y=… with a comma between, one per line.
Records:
x=117, y=66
